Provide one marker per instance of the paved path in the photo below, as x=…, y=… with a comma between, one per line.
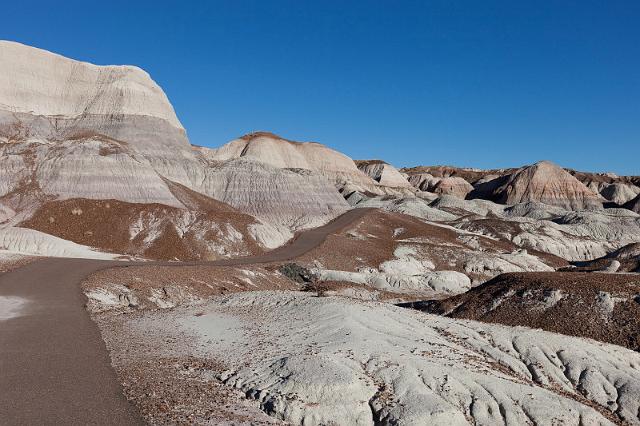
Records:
x=54, y=366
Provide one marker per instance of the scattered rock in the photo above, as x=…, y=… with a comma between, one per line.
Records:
x=297, y=273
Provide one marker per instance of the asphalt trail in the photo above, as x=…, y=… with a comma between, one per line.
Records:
x=54, y=366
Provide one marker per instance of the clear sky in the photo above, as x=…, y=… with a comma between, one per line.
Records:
x=468, y=83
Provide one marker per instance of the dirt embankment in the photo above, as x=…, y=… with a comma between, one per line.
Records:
x=154, y=231
x=604, y=307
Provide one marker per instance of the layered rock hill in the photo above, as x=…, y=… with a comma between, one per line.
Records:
x=543, y=182
x=455, y=186
x=449, y=185
x=338, y=169
x=282, y=153
x=619, y=193
x=383, y=173
x=71, y=130
x=47, y=96
x=448, y=180
x=614, y=190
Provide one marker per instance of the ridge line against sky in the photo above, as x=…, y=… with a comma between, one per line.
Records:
x=485, y=85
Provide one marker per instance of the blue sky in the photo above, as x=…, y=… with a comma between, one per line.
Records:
x=468, y=83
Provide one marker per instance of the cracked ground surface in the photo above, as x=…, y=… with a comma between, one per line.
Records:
x=282, y=356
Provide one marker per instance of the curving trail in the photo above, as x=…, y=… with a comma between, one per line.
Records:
x=54, y=366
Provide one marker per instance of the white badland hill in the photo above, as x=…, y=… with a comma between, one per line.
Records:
x=73, y=130
x=275, y=151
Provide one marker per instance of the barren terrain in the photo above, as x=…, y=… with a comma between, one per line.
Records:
x=144, y=279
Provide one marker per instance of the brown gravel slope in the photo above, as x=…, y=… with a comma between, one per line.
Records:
x=603, y=307
x=372, y=240
x=149, y=285
x=107, y=225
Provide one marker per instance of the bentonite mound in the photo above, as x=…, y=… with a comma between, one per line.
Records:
x=455, y=186
x=278, y=152
x=543, y=182
x=383, y=173
x=609, y=304
x=334, y=360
